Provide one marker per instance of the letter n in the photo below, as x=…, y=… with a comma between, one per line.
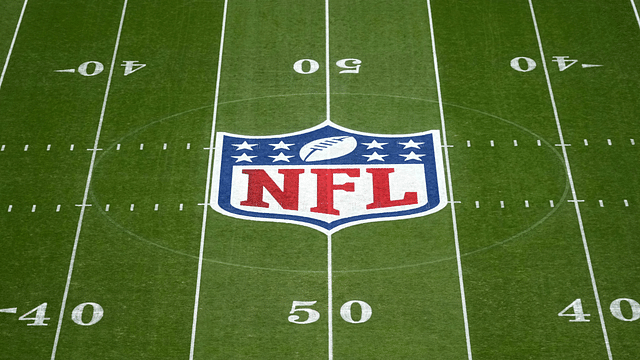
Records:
x=259, y=180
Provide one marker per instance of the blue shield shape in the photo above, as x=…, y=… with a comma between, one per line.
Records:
x=328, y=177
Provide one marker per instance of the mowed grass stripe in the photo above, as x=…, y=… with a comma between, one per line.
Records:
x=515, y=290
x=452, y=201
x=243, y=312
x=606, y=169
x=141, y=264
x=412, y=305
x=83, y=205
x=575, y=200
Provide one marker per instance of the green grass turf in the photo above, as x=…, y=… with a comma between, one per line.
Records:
x=521, y=265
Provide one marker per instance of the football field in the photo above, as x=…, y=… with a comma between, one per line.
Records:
x=158, y=199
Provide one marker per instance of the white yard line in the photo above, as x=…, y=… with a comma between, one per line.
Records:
x=326, y=60
x=571, y=183
x=329, y=251
x=635, y=11
x=450, y=184
x=330, y=295
x=13, y=42
x=208, y=186
x=88, y=183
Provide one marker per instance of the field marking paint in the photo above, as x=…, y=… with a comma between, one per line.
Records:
x=330, y=295
x=575, y=200
x=635, y=11
x=327, y=68
x=196, y=303
x=329, y=253
x=451, y=198
x=13, y=42
x=88, y=183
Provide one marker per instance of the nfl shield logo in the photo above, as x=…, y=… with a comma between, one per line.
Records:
x=328, y=177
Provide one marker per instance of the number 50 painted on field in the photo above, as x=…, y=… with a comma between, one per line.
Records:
x=350, y=66
x=313, y=315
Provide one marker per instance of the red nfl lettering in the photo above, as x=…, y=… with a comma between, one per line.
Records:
x=260, y=180
x=326, y=188
x=382, y=194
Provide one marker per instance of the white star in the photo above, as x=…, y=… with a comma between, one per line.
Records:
x=281, y=145
x=375, y=156
x=281, y=157
x=244, y=157
x=412, y=156
x=244, y=146
x=374, y=144
x=411, y=144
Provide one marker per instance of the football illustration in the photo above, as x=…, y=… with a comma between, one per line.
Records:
x=328, y=148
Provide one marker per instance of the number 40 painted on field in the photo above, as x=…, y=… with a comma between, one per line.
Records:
x=615, y=308
x=309, y=66
x=77, y=315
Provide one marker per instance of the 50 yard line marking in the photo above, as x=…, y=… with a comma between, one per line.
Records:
x=450, y=184
x=13, y=42
x=94, y=151
x=329, y=250
x=573, y=188
x=207, y=186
